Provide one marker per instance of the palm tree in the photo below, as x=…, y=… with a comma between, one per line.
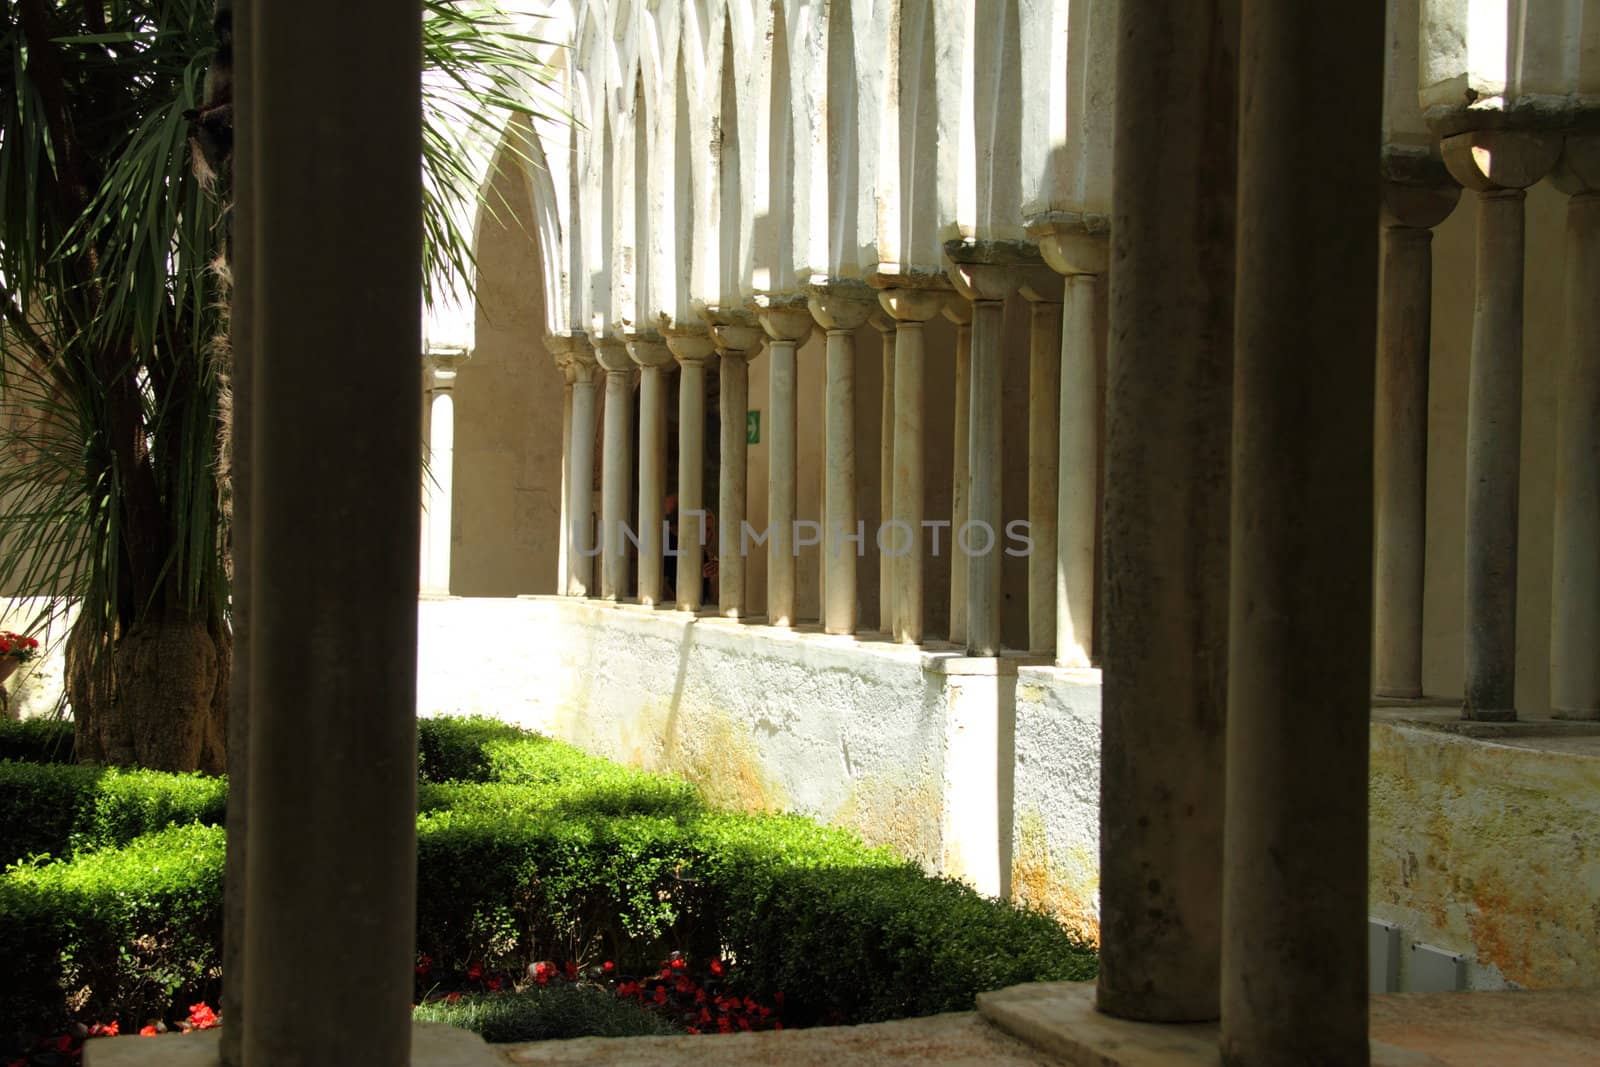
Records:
x=114, y=408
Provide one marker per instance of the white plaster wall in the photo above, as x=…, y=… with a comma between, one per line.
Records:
x=759, y=717
x=1055, y=860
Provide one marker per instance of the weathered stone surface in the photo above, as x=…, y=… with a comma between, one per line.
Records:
x=432, y=1045
x=957, y=1040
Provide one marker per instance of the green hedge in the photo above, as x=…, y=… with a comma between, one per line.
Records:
x=61, y=809
x=551, y=1013
x=122, y=932
x=548, y=854
x=36, y=740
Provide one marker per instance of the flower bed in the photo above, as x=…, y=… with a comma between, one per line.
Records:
x=550, y=855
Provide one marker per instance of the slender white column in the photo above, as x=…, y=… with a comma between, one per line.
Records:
x=691, y=350
x=616, y=473
x=958, y=309
x=562, y=541
x=1499, y=166
x=900, y=539
x=1405, y=310
x=840, y=309
x=577, y=355
x=1044, y=454
x=653, y=358
x=440, y=486
x=1575, y=609
x=738, y=340
x=886, y=334
x=787, y=327
x=1077, y=246
x=982, y=537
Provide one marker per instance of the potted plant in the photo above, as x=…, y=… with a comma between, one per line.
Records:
x=15, y=650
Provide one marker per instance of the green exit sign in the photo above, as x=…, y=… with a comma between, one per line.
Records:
x=752, y=427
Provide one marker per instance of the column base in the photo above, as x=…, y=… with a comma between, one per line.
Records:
x=1576, y=714
x=1489, y=714
x=432, y=1045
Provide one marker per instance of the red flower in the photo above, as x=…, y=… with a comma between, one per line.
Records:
x=452, y=997
x=108, y=1030
x=608, y=966
x=475, y=971
x=495, y=984
x=147, y=1031
x=424, y=964
x=717, y=968
x=724, y=1026
x=570, y=969
x=778, y=1025
x=661, y=994
x=201, y=1017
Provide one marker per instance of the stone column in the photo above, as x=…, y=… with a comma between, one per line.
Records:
x=958, y=309
x=1076, y=245
x=653, y=359
x=438, y=485
x=336, y=493
x=1417, y=195
x=982, y=536
x=840, y=308
x=1294, y=958
x=577, y=355
x=738, y=340
x=1044, y=453
x=1499, y=166
x=691, y=349
x=1575, y=610
x=787, y=324
x=616, y=472
x=901, y=537
x=886, y=334
x=563, y=539
x=1164, y=624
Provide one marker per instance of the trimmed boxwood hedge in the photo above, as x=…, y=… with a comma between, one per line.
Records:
x=111, y=934
x=36, y=740
x=60, y=809
x=551, y=854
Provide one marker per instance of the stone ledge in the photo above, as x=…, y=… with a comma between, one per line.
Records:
x=432, y=1045
x=1558, y=1029
x=1447, y=719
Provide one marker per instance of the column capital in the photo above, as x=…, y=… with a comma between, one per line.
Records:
x=912, y=305
x=1577, y=172
x=1418, y=191
x=789, y=323
x=439, y=367
x=649, y=350
x=958, y=309
x=1073, y=242
x=612, y=354
x=1492, y=161
x=690, y=345
x=735, y=331
x=841, y=304
x=993, y=270
x=566, y=348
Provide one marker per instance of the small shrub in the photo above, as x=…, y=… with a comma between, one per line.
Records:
x=452, y=749
x=116, y=934
x=60, y=809
x=546, y=1014
x=36, y=740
